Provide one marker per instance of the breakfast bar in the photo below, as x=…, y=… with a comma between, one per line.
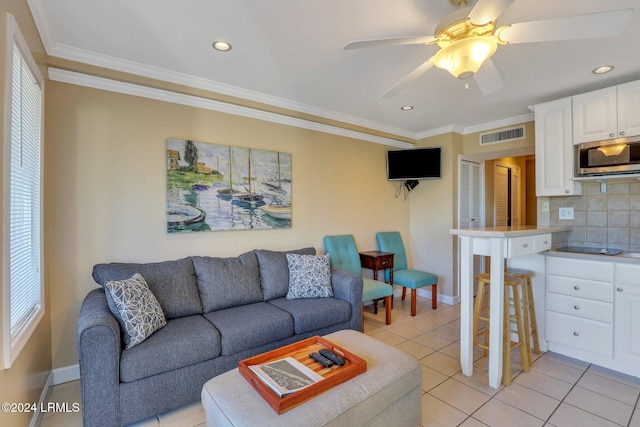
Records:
x=499, y=243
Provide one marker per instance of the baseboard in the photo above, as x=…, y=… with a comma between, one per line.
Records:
x=66, y=374
x=36, y=419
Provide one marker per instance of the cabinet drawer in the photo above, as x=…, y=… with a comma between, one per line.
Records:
x=580, y=307
x=542, y=242
x=583, y=334
x=518, y=246
x=628, y=274
x=580, y=288
x=593, y=270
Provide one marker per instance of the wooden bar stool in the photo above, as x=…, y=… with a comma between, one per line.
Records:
x=526, y=276
x=513, y=289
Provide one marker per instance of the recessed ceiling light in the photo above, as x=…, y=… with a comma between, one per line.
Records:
x=407, y=108
x=603, y=69
x=222, y=46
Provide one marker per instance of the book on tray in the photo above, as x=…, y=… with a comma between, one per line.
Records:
x=286, y=376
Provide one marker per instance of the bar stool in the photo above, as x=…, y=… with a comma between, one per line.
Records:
x=512, y=298
x=526, y=276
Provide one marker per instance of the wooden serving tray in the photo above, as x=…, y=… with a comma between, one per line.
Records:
x=300, y=351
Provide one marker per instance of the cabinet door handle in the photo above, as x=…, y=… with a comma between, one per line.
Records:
x=576, y=287
x=525, y=246
x=619, y=289
x=622, y=133
x=576, y=307
x=612, y=135
x=566, y=191
x=575, y=334
x=546, y=242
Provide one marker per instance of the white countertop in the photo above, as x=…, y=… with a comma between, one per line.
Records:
x=523, y=230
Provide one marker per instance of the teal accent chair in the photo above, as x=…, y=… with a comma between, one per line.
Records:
x=344, y=255
x=390, y=241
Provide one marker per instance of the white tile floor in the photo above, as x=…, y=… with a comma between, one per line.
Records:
x=557, y=391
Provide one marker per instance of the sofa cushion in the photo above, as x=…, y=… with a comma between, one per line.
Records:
x=182, y=342
x=309, y=276
x=274, y=271
x=314, y=313
x=227, y=282
x=135, y=307
x=250, y=326
x=173, y=283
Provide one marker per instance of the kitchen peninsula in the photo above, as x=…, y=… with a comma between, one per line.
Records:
x=498, y=243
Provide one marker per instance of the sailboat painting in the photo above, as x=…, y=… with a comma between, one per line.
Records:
x=213, y=187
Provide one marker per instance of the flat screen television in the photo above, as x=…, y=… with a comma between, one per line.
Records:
x=414, y=164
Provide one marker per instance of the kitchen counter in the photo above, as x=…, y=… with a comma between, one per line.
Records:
x=517, y=231
x=625, y=257
x=498, y=243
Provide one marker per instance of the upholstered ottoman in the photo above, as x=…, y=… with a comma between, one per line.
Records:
x=388, y=394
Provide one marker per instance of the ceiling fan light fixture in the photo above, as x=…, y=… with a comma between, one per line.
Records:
x=464, y=57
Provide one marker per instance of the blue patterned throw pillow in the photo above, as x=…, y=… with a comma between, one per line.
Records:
x=309, y=276
x=138, y=310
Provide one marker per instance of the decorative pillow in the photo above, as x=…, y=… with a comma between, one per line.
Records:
x=309, y=276
x=138, y=310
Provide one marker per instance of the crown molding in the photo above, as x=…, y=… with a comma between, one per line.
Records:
x=91, y=58
x=81, y=79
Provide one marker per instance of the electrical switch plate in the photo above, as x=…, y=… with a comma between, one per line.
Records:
x=566, y=213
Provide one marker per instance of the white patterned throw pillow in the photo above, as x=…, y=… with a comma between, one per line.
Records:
x=139, y=310
x=309, y=276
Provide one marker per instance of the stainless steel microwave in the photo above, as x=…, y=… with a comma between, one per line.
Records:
x=615, y=156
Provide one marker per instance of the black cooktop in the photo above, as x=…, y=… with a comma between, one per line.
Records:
x=593, y=251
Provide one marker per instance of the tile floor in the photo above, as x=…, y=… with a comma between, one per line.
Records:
x=557, y=391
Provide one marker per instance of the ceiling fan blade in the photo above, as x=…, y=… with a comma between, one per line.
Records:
x=390, y=42
x=486, y=11
x=591, y=25
x=406, y=80
x=488, y=78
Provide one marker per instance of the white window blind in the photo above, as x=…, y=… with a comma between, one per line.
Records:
x=22, y=248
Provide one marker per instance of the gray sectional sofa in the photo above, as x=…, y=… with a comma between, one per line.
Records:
x=218, y=311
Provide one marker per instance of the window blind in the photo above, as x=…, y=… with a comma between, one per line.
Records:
x=25, y=293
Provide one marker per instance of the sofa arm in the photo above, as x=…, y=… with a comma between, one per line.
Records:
x=348, y=287
x=99, y=346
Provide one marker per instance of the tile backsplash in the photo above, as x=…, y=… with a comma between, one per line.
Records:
x=602, y=219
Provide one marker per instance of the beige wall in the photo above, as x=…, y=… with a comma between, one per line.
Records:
x=25, y=380
x=106, y=180
x=434, y=213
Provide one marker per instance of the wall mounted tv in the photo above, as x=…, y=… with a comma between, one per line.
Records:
x=413, y=164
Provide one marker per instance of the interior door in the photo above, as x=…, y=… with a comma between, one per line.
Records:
x=507, y=191
x=470, y=204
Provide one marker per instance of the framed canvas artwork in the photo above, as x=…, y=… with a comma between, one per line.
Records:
x=213, y=187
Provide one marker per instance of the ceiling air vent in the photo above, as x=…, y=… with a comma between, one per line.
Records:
x=504, y=135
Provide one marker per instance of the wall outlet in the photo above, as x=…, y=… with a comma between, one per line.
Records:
x=566, y=213
x=545, y=206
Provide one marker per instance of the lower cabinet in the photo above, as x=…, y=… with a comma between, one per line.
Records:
x=594, y=320
x=627, y=315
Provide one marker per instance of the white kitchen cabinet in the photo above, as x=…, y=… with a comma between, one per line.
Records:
x=613, y=112
x=593, y=311
x=627, y=314
x=629, y=109
x=554, y=149
x=580, y=311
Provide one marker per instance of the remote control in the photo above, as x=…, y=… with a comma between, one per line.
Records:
x=321, y=359
x=333, y=357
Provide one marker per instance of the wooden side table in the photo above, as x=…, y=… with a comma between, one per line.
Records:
x=376, y=260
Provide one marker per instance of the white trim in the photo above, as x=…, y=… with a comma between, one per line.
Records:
x=86, y=80
x=36, y=419
x=66, y=374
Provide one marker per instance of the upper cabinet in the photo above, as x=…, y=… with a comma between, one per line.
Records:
x=608, y=113
x=554, y=150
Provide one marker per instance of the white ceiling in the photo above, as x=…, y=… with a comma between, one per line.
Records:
x=289, y=53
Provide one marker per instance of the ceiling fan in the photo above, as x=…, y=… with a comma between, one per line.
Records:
x=469, y=37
